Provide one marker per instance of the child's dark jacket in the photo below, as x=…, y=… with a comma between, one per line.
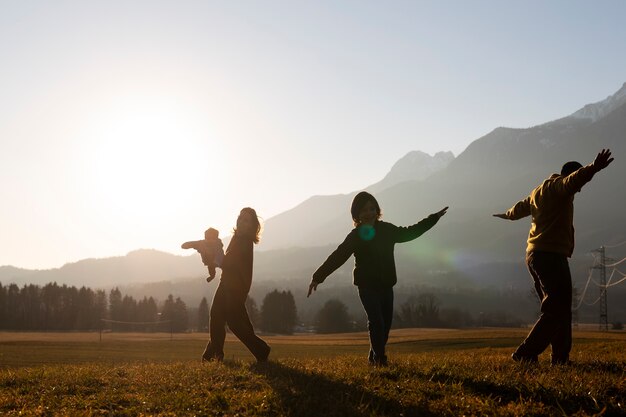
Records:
x=374, y=264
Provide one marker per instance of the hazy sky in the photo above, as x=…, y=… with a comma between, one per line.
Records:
x=137, y=124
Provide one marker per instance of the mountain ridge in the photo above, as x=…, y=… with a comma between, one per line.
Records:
x=490, y=175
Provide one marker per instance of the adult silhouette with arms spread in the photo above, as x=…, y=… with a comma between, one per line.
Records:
x=228, y=307
x=550, y=243
x=372, y=243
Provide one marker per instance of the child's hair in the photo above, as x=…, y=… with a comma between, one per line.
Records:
x=211, y=234
x=359, y=201
x=252, y=212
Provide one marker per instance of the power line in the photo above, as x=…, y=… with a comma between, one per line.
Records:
x=603, y=285
x=616, y=263
x=135, y=322
x=618, y=282
x=600, y=262
x=582, y=296
x=608, y=282
x=607, y=285
x=594, y=303
x=620, y=272
x=598, y=284
x=604, y=321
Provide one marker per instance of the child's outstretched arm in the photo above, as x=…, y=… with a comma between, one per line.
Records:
x=312, y=288
x=441, y=212
x=192, y=244
x=334, y=261
x=406, y=234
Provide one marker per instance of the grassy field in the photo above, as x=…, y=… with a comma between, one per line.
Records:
x=432, y=372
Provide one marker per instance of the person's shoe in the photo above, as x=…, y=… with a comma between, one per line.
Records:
x=378, y=362
x=370, y=359
x=206, y=357
x=561, y=362
x=524, y=358
x=263, y=358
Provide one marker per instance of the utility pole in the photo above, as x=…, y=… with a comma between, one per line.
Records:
x=604, y=321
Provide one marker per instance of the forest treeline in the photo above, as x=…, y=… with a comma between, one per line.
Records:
x=55, y=307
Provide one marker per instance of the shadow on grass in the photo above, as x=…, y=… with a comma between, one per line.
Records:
x=609, y=367
x=306, y=393
x=567, y=402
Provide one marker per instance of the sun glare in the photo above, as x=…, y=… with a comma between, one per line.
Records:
x=147, y=158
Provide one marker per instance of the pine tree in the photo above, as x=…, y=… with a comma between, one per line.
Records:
x=333, y=318
x=278, y=312
x=3, y=307
x=147, y=312
x=115, y=308
x=175, y=311
x=181, y=320
x=203, y=315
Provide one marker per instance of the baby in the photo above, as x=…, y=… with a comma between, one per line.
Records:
x=211, y=250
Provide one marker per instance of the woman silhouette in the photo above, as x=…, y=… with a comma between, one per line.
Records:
x=230, y=297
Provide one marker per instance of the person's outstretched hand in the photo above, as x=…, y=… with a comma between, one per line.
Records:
x=501, y=216
x=312, y=287
x=603, y=159
x=440, y=213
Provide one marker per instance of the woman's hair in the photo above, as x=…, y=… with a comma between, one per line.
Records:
x=359, y=201
x=257, y=235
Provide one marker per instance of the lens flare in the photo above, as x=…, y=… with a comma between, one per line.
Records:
x=447, y=258
x=367, y=232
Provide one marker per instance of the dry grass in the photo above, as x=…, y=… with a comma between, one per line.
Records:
x=431, y=373
x=396, y=336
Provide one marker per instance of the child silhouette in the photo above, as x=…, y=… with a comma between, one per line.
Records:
x=211, y=250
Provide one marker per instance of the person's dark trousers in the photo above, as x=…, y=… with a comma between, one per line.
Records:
x=229, y=308
x=378, y=305
x=553, y=283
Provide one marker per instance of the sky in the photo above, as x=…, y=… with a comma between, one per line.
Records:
x=139, y=124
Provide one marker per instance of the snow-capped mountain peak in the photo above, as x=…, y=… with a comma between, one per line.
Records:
x=597, y=111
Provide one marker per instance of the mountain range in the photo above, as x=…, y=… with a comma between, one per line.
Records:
x=489, y=176
x=493, y=173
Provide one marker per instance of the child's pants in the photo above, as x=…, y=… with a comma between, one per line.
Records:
x=378, y=305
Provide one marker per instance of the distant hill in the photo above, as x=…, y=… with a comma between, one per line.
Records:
x=493, y=173
x=414, y=166
x=140, y=266
x=314, y=221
